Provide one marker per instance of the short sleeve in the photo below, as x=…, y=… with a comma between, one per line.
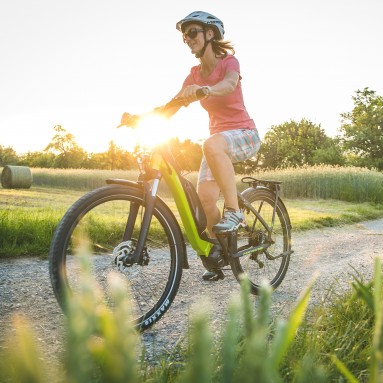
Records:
x=231, y=64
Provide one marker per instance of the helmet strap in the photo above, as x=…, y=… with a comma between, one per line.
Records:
x=199, y=54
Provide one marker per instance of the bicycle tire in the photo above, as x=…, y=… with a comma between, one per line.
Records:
x=102, y=215
x=257, y=267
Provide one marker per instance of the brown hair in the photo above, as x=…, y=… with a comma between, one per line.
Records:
x=222, y=47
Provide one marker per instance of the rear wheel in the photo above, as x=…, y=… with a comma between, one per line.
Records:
x=268, y=265
x=110, y=219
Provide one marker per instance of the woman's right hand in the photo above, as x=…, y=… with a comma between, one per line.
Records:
x=128, y=119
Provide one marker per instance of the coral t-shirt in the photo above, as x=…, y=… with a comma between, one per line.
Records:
x=225, y=112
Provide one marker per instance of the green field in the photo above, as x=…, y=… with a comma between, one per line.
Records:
x=315, y=197
x=349, y=184
x=339, y=340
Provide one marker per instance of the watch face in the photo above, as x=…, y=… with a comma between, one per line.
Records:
x=206, y=90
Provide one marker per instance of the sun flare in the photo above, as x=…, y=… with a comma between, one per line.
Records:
x=152, y=130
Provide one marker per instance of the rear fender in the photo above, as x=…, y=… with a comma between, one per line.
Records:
x=251, y=189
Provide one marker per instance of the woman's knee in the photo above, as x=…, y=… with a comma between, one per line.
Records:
x=214, y=145
x=208, y=193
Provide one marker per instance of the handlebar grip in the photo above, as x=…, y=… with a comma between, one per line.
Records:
x=129, y=120
x=178, y=102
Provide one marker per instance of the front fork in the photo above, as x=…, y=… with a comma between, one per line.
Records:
x=150, y=196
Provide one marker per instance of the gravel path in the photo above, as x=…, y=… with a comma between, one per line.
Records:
x=25, y=286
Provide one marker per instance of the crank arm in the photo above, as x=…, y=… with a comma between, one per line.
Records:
x=262, y=248
x=250, y=251
x=284, y=254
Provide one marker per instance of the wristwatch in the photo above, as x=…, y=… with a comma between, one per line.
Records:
x=206, y=90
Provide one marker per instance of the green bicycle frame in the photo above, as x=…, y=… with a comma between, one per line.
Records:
x=173, y=182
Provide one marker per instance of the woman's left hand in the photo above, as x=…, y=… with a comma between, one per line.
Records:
x=190, y=93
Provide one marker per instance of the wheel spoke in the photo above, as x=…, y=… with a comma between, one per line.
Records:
x=268, y=264
x=109, y=218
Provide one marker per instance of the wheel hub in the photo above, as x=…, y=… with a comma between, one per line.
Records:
x=121, y=254
x=124, y=252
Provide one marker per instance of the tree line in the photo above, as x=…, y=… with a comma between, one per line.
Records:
x=290, y=144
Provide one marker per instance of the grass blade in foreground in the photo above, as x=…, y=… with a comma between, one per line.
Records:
x=286, y=331
x=377, y=342
x=200, y=364
x=344, y=370
x=374, y=301
x=22, y=362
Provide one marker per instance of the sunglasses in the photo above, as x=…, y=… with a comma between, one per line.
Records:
x=192, y=33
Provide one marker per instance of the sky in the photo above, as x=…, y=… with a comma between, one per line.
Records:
x=81, y=64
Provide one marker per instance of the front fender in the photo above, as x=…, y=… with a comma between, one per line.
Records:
x=119, y=181
x=139, y=185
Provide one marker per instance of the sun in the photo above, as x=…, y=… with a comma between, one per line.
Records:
x=151, y=130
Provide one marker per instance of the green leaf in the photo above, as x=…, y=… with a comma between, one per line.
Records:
x=344, y=370
x=364, y=293
x=286, y=331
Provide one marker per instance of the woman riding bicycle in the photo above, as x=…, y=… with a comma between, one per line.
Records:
x=233, y=135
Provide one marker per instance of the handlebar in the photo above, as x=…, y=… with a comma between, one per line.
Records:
x=173, y=103
x=200, y=94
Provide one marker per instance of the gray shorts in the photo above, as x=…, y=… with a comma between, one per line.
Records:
x=242, y=145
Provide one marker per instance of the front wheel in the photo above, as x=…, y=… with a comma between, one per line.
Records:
x=271, y=264
x=110, y=219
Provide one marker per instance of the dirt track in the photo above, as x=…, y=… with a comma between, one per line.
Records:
x=25, y=286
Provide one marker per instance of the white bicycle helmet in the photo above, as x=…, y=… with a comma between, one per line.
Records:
x=205, y=19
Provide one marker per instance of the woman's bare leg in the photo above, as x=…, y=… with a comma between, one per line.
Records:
x=215, y=150
x=208, y=192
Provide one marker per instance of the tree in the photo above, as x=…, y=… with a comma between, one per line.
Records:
x=38, y=159
x=362, y=130
x=117, y=158
x=8, y=156
x=68, y=153
x=188, y=154
x=330, y=153
x=296, y=144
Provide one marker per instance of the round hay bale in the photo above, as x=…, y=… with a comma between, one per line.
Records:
x=16, y=177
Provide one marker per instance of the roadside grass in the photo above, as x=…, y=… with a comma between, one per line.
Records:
x=342, y=326
x=336, y=341
x=27, y=232
x=344, y=333
x=307, y=214
x=28, y=217
x=102, y=346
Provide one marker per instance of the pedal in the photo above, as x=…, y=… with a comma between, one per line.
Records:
x=213, y=276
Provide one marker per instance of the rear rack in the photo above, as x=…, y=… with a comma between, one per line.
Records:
x=255, y=182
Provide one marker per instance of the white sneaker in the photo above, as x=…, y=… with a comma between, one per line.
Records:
x=230, y=221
